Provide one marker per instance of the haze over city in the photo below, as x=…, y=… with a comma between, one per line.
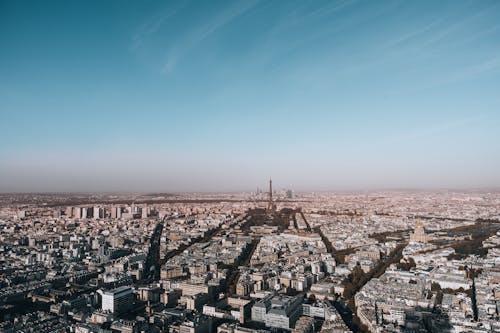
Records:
x=218, y=96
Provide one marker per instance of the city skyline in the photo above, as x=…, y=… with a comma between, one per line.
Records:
x=191, y=96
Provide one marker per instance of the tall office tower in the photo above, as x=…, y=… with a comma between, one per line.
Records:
x=96, y=212
x=113, y=212
x=119, y=300
x=69, y=211
x=144, y=212
x=84, y=213
x=77, y=212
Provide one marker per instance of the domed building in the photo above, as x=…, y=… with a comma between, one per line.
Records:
x=419, y=235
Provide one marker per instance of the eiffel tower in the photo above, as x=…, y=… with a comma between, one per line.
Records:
x=271, y=207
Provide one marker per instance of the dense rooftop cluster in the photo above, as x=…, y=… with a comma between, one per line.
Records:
x=309, y=262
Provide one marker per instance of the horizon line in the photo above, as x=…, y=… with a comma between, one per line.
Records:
x=178, y=193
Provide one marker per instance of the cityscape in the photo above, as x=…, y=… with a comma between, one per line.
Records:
x=267, y=261
x=250, y=166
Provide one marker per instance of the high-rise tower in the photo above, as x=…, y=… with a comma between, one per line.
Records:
x=270, y=205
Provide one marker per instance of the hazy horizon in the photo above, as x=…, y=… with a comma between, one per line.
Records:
x=264, y=187
x=186, y=96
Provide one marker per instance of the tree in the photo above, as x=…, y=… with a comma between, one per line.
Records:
x=435, y=286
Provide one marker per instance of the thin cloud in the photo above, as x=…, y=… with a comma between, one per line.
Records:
x=203, y=31
x=477, y=36
x=487, y=66
x=154, y=24
x=292, y=22
x=408, y=36
x=472, y=72
x=454, y=28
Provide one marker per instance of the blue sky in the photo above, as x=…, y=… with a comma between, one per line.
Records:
x=220, y=95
